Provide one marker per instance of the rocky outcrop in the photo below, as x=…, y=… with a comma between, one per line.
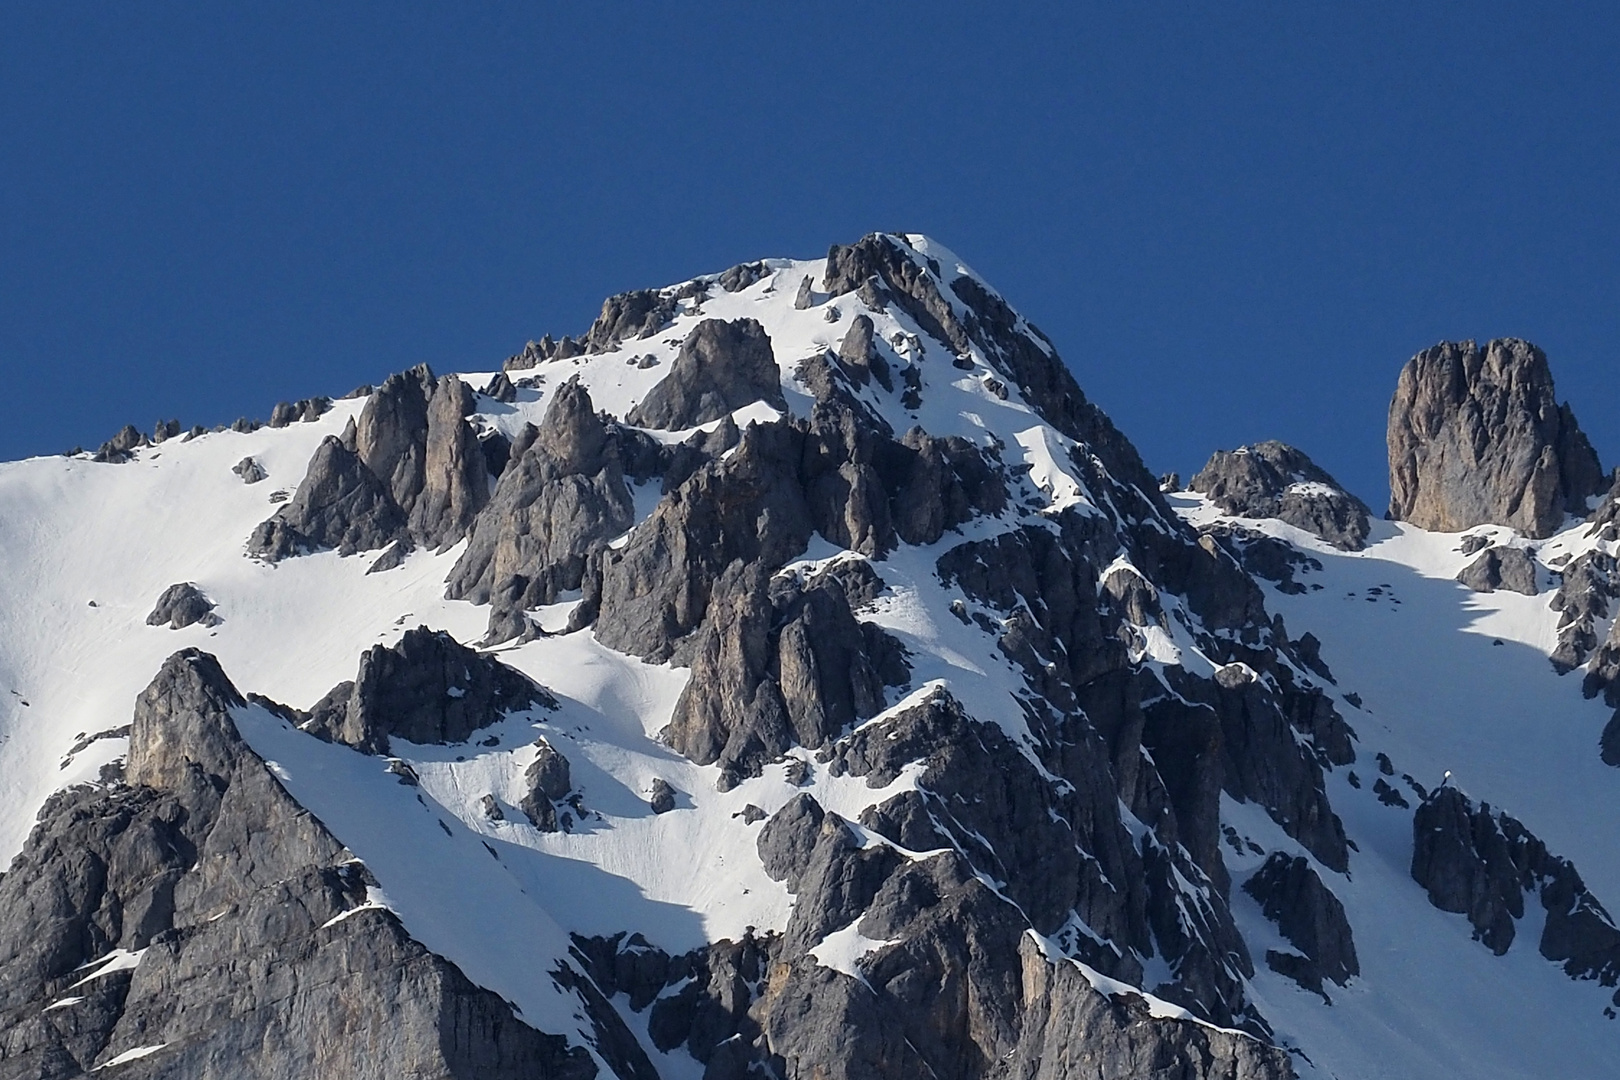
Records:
x=183, y=605
x=742, y=276
x=1509, y=568
x=249, y=470
x=428, y=688
x=661, y=796
x=339, y=505
x=122, y=446
x=547, y=781
x=721, y=367
x=1589, y=582
x=410, y=467
x=1292, y=895
x=1477, y=437
x=200, y=915
x=1482, y=863
x=563, y=497
x=1274, y=480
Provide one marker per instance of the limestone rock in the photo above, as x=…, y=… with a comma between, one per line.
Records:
x=182, y=605
x=548, y=782
x=232, y=894
x=561, y=498
x=339, y=504
x=1293, y=896
x=662, y=796
x=1509, y=568
x=743, y=275
x=249, y=470
x=122, y=446
x=429, y=688
x=1589, y=583
x=1274, y=480
x=1477, y=437
x=721, y=367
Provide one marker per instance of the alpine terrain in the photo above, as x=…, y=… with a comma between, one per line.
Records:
x=795, y=676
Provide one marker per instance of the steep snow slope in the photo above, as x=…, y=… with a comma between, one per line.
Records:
x=86, y=548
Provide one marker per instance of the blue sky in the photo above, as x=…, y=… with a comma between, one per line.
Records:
x=1236, y=221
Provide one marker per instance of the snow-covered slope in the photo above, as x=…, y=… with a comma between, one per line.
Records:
x=1423, y=670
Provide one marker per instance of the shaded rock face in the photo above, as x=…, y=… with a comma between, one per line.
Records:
x=231, y=894
x=411, y=468
x=1292, y=895
x=1477, y=437
x=1507, y=568
x=548, y=780
x=1274, y=480
x=1589, y=583
x=429, y=688
x=563, y=497
x=122, y=446
x=249, y=470
x=721, y=367
x=1483, y=863
x=183, y=605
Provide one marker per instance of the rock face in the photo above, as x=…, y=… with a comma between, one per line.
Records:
x=721, y=367
x=1483, y=863
x=548, y=781
x=1292, y=895
x=1507, y=568
x=1274, y=480
x=429, y=688
x=229, y=895
x=410, y=468
x=183, y=605
x=563, y=497
x=1477, y=437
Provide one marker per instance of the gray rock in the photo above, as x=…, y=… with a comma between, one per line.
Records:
x=500, y=388
x=1477, y=437
x=1609, y=742
x=1292, y=895
x=1589, y=583
x=639, y=314
x=491, y=808
x=560, y=499
x=721, y=367
x=122, y=446
x=548, y=781
x=1603, y=670
x=164, y=430
x=429, y=688
x=183, y=605
x=1483, y=863
x=662, y=796
x=860, y=355
x=340, y=504
x=743, y=275
x=1274, y=480
x=393, y=558
x=806, y=296
x=249, y=470
x=1507, y=568
x=234, y=892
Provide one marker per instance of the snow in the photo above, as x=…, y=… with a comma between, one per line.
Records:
x=117, y=960
x=130, y=1055
x=843, y=950
x=1448, y=680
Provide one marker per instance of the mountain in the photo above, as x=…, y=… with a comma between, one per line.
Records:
x=795, y=676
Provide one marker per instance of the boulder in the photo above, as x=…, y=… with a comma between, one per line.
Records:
x=661, y=797
x=183, y=605
x=249, y=470
x=340, y=504
x=1510, y=568
x=1476, y=437
x=1292, y=895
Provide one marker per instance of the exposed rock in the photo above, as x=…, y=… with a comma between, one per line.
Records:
x=249, y=470
x=122, y=446
x=743, y=275
x=429, y=688
x=662, y=796
x=491, y=808
x=500, y=388
x=1482, y=863
x=860, y=355
x=164, y=430
x=806, y=296
x=548, y=782
x=1477, y=437
x=561, y=498
x=1509, y=568
x=1589, y=583
x=1274, y=480
x=181, y=606
x=1292, y=895
x=721, y=367
x=340, y=504
x=253, y=961
x=1603, y=671
x=393, y=558
x=1609, y=743
x=639, y=314
x=1264, y=556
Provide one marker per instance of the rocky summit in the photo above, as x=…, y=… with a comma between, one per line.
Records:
x=795, y=675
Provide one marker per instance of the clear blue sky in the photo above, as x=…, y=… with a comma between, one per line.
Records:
x=1236, y=220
